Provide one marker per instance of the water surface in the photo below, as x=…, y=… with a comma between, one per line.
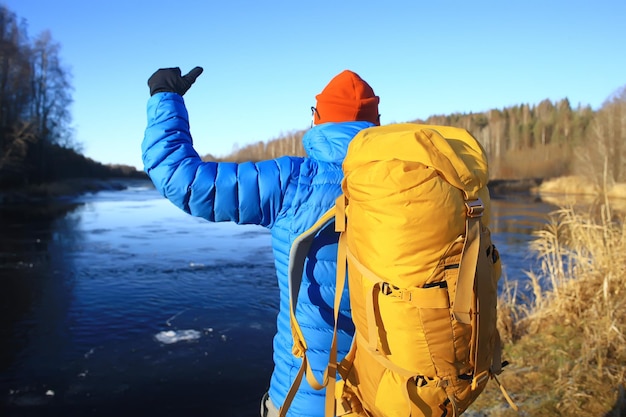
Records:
x=120, y=304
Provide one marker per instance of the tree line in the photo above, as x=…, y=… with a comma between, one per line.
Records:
x=36, y=139
x=524, y=141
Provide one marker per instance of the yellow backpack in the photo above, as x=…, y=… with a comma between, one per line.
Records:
x=422, y=273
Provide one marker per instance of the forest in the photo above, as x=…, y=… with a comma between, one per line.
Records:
x=544, y=140
x=36, y=139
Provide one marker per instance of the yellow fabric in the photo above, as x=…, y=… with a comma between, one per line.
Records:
x=406, y=188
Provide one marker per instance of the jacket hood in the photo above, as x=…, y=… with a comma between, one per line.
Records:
x=328, y=142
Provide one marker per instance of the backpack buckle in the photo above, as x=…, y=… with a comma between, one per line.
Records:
x=475, y=208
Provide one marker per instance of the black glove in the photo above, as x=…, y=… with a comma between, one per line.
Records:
x=170, y=80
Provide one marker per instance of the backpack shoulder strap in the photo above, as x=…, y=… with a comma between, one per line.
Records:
x=297, y=256
x=299, y=251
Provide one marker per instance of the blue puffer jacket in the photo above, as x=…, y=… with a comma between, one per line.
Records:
x=286, y=195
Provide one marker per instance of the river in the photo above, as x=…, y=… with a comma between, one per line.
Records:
x=119, y=304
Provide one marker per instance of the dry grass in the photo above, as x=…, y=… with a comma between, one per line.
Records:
x=567, y=343
x=580, y=186
x=569, y=185
x=577, y=190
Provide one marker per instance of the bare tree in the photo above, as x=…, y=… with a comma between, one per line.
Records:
x=545, y=116
x=35, y=99
x=51, y=92
x=604, y=151
x=14, y=74
x=614, y=114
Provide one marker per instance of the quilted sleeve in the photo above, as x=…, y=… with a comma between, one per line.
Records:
x=247, y=193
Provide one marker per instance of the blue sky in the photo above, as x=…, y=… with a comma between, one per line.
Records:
x=265, y=61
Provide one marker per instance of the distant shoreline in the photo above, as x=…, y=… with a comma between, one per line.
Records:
x=74, y=187
x=66, y=189
x=513, y=186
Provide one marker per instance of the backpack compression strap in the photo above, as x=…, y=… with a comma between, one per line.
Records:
x=465, y=285
x=462, y=308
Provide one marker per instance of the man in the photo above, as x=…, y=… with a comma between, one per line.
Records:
x=286, y=195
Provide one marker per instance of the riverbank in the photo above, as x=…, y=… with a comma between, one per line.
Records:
x=580, y=191
x=562, y=190
x=571, y=186
x=499, y=187
x=565, y=341
x=66, y=189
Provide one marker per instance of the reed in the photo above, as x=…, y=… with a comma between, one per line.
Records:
x=567, y=340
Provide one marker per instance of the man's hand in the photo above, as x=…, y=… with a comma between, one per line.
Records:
x=170, y=80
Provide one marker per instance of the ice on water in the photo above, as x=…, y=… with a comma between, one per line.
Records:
x=174, y=336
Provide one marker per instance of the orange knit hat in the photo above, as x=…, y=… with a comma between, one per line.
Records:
x=346, y=98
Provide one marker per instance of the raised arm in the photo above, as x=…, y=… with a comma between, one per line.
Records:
x=250, y=193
